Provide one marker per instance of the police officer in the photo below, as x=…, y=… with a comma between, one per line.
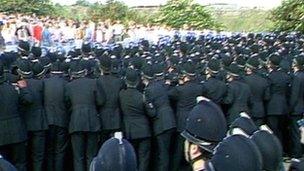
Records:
x=260, y=92
x=34, y=116
x=83, y=97
x=296, y=104
x=214, y=88
x=156, y=93
x=13, y=133
x=57, y=115
x=207, y=149
x=185, y=97
x=136, y=115
x=277, y=105
x=110, y=114
x=89, y=60
x=238, y=93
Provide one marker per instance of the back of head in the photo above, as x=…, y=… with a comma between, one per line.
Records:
x=115, y=155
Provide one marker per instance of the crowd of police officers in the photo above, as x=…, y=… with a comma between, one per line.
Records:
x=55, y=102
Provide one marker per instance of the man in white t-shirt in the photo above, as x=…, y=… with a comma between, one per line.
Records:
x=118, y=30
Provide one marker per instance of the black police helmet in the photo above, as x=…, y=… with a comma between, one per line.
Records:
x=105, y=63
x=5, y=165
x=205, y=125
x=115, y=154
x=189, y=69
x=24, y=69
x=233, y=69
x=36, y=51
x=253, y=62
x=147, y=72
x=132, y=77
x=38, y=69
x=24, y=46
x=270, y=148
x=244, y=123
x=275, y=59
x=214, y=65
x=86, y=47
x=235, y=153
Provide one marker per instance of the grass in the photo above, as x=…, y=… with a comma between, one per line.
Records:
x=252, y=20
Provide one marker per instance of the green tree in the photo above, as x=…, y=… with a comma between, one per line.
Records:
x=178, y=13
x=83, y=3
x=39, y=7
x=112, y=9
x=289, y=16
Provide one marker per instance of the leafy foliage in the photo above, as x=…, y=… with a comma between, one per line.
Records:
x=113, y=10
x=39, y=7
x=180, y=13
x=289, y=16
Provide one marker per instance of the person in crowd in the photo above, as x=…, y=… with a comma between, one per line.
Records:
x=57, y=115
x=185, y=96
x=33, y=113
x=136, y=116
x=83, y=98
x=260, y=92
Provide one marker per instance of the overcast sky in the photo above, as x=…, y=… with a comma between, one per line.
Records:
x=242, y=3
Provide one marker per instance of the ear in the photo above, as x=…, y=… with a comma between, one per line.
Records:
x=194, y=151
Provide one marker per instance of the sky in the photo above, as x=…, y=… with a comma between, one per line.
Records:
x=267, y=4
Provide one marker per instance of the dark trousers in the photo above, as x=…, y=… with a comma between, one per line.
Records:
x=163, y=144
x=295, y=137
x=36, y=147
x=85, y=148
x=16, y=154
x=57, y=142
x=143, y=148
x=276, y=124
x=179, y=162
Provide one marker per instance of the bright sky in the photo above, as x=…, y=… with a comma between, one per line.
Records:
x=242, y=3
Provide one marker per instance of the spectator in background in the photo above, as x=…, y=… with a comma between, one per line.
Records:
x=37, y=31
x=88, y=32
x=46, y=36
x=23, y=32
x=2, y=42
x=118, y=30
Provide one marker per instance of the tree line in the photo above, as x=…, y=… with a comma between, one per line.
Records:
x=175, y=13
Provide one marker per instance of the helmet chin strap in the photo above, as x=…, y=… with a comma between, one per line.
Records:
x=200, y=157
